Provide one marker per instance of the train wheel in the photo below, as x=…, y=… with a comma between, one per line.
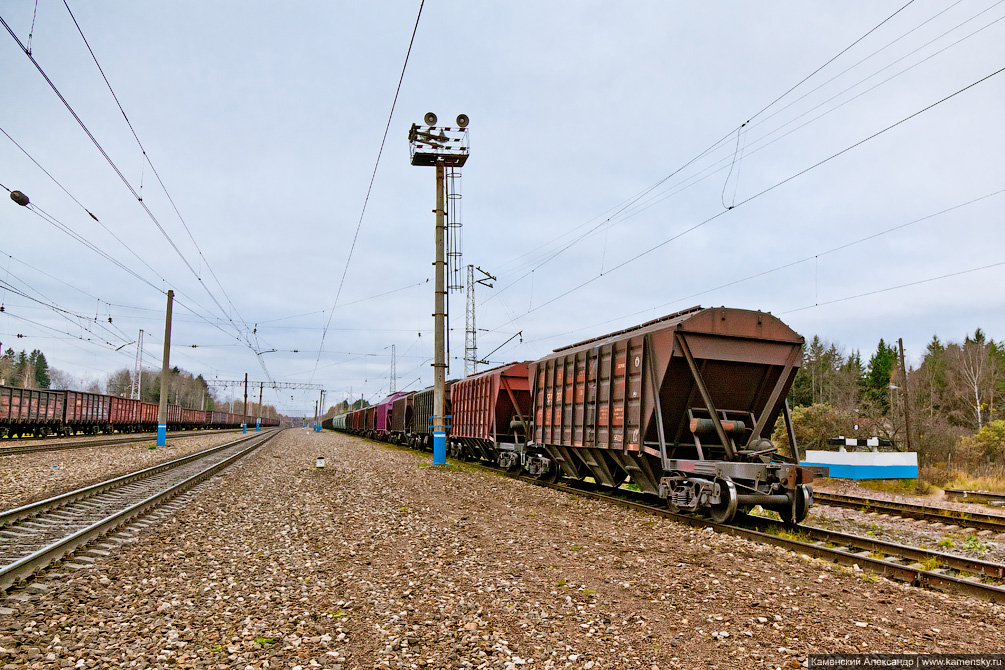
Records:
x=553, y=474
x=725, y=510
x=804, y=500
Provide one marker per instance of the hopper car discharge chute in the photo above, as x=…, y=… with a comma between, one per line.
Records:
x=683, y=405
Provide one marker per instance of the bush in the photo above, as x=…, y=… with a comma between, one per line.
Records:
x=987, y=445
x=814, y=425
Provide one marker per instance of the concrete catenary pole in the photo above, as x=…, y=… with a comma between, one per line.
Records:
x=439, y=362
x=258, y=422
x=162, y=410
x=904, y=393
x=244, y=408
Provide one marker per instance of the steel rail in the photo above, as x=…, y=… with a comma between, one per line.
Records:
x=876, y=555
x=7, y=517
x=975, y=577
x=959, y=495
x=29, y=447
x=28, y=566
x=975, y=520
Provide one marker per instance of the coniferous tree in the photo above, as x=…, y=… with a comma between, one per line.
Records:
x=40, y=369
x=878, y=375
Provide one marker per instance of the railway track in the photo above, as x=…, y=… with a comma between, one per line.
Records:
x=988, y=497
x=29, y=446
x=914, y=565
x=35, y=536
x=975, y=520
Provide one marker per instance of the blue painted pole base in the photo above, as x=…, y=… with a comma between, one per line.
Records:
x=162, y=434
x=244, y=428
x=258, y=425
x=439, y=448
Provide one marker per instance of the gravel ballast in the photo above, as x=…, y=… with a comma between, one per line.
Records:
x=381, y=561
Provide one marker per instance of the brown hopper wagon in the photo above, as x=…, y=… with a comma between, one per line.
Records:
x=683, y=405
x=491, y=414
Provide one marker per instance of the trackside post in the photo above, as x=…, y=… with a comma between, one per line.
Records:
x=165, y=368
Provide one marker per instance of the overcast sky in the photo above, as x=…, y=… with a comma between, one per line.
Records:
x=611, y=132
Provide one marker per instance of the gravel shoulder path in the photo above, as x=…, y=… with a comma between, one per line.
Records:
x=26, y=478
x=381, y=561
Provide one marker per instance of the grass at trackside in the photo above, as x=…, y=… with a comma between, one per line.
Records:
x=990, y=482
x=897, y=486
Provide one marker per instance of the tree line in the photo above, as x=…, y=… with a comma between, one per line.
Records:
x=32, y=371
x=953, y=398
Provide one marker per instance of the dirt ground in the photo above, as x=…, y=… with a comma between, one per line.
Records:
x=382, y=561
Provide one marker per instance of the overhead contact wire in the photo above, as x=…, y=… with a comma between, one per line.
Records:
x=153, y=169
x=373, y=176
x=759, y=194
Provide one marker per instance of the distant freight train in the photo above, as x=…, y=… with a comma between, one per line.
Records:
x=42, y=412
x=683, y=405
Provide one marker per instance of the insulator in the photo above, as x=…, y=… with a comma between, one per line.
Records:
x=20, y=198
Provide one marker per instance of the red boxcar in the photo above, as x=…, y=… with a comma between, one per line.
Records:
x=86, y=412
x=126, y=414
x=39, y=412
x=193, y=418
x=148, y=415
x=490, y=409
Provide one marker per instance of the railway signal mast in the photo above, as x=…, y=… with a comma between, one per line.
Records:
x=440, y=147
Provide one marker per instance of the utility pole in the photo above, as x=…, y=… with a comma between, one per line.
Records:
x=258, y=423
x=244, y=409
x=904, y=393
x=162, y=409
x=439, y=357
x=439, y=147
x=321, y=407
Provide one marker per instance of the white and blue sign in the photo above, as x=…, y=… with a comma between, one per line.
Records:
x=866, y=464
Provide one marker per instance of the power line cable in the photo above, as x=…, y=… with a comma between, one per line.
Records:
x=373, y=176
x=838, y=55
x=894, y=288
x=117, y=171
x=757, y=195
x=632, y=207
x=153, y=169
x=717, y=167
x=778, y=268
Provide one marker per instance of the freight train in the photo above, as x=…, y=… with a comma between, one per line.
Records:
x=684, y=406
x=42, y=412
